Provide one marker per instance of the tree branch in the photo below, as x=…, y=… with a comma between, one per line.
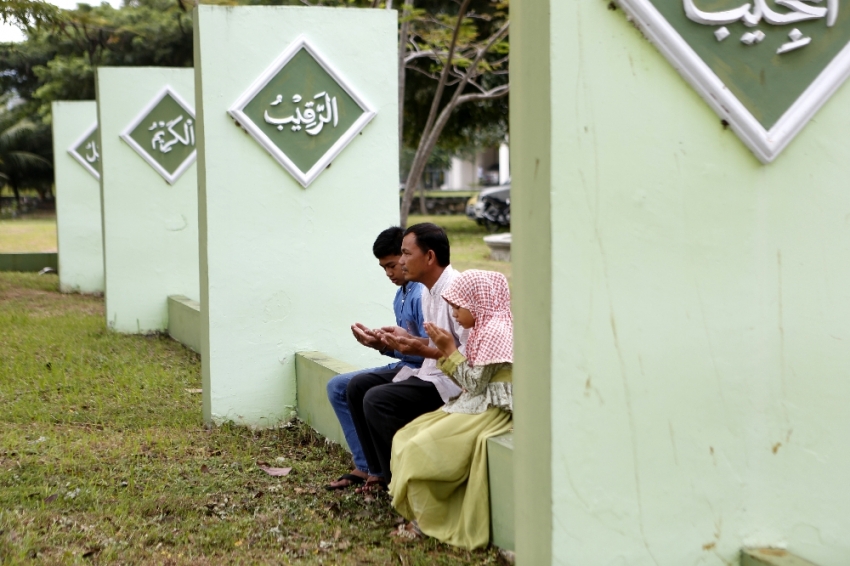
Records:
x=421, y=55
x=491, y=94
x=432, y=115
x=432, y=130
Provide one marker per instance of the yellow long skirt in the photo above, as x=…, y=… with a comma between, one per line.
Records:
x=439, y=474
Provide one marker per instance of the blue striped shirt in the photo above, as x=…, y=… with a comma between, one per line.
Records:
x=407, y=306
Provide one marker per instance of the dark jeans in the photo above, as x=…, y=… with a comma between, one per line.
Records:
x=380, y=407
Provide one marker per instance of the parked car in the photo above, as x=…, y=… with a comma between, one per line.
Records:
x=491, y=208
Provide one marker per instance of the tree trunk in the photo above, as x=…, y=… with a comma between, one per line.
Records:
x=418, y=166
x=402, y=51
x=423, y=152
x=17, y=194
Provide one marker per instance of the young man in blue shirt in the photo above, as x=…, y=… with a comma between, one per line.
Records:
x=407, y=306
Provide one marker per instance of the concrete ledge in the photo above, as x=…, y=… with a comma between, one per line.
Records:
x=184, y=321
x=771, y=557
x=500, y=246
x=313, y=370
x=500, y=469
x=28, y=261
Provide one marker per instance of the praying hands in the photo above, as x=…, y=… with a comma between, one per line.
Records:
x=367, y=336
x=442, y=338
x=402, y=341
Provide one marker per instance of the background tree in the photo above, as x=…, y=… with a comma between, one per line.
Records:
x=18, y=161
x=466, y=50
x=62, y=49
x=453, y=108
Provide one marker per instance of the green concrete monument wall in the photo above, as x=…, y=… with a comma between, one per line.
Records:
x=682, y=310
x=76, y=165
x=296, y=179
x=150, y=200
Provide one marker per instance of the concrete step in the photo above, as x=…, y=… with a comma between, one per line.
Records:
x=771, y=557
x=184, y=321
x=500, y=468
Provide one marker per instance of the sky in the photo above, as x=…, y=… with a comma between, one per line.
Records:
x=11, y=33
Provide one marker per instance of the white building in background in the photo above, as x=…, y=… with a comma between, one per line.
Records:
x=489, y=167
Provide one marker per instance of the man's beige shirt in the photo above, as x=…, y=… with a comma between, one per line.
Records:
x=436, y=310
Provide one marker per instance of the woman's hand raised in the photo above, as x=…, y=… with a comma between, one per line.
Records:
x=442, y=338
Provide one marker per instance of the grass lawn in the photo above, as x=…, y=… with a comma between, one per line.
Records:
x=104, y=458
x=28, y=235
x=468, y=248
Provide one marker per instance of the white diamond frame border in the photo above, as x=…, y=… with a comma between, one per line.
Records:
x=125, y=135
x=238, y=114
x=765, y=144
x=82, y=160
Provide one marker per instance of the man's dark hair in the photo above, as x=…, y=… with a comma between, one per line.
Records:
x=388, y=242
x=432, y=237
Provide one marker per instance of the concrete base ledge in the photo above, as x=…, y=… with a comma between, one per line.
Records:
x=28, y=261
x=500, y=469
x=500, y=246
x=771, y=557
x=184, y=321
x=313, y=370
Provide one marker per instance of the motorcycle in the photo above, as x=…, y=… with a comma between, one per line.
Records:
x=496, y=213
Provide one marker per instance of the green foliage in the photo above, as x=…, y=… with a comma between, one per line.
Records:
x=28, y=14
x=63, y=78
x=432, y=22
x=63, y=47
x=57, y=61
x=21, y=142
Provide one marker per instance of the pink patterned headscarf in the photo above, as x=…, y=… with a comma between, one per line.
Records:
x=486, y=295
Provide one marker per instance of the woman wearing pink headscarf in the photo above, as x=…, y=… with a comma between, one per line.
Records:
x=439, y=460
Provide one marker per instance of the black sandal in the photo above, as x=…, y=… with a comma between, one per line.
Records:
x=345, y=481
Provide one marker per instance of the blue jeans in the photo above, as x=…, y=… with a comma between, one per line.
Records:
x=337, y=388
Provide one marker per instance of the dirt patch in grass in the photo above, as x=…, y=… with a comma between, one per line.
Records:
x=39, y=297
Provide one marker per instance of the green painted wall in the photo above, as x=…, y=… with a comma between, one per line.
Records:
x=699, y=310
x=150, y=228
x=78, y=224
x=531, y=295
x=28, y=261
x=283, y=268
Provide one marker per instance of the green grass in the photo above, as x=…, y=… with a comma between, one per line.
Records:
x=467, y=240
x=28, y=235
x=104, y=458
